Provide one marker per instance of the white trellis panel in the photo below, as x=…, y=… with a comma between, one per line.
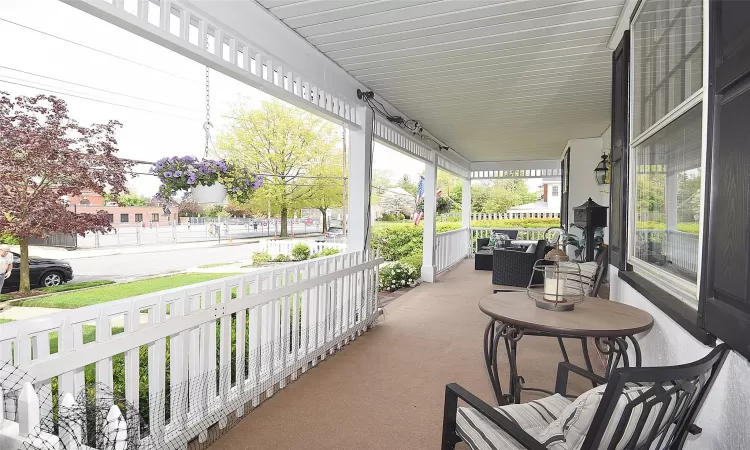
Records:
x=450, y=166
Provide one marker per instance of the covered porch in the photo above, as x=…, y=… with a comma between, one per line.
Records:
x=385, y=390
x=481, y=90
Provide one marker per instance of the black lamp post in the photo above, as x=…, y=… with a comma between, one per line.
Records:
x=601, y=172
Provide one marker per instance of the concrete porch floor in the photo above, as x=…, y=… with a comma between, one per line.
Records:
x=385, y=390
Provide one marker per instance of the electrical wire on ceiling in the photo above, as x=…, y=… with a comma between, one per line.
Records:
x=408, y=124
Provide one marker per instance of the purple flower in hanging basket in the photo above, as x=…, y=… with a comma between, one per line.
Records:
x=192, y=179
x=177, y=173
x=258, y=183
x=167, y=174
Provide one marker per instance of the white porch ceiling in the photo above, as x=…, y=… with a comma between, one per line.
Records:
x=494, y=79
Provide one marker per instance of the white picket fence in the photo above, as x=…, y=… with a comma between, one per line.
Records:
x=451, y=247
x=285, y=246
x=515, y=215
x=287, y=318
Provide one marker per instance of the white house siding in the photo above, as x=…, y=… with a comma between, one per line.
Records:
x=725, y=415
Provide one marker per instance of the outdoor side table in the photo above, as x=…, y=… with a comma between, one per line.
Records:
x=514, y=315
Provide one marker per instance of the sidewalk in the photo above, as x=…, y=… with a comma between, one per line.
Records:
x=61, y=253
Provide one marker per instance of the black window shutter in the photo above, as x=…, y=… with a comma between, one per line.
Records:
x=618, y=188
x=725, y=302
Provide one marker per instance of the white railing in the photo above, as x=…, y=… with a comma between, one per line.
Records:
x=451, y=247
x=285, y=246
x=525, y=234
x=216, y=347
x=668, y=247
x=515, y=215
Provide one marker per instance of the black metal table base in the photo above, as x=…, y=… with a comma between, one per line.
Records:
x=615, y=348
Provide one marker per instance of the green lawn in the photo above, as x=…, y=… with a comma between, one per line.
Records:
x=60, y=288
x=6, y=320
x=70, y=300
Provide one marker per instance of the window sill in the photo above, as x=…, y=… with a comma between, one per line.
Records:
x=676, y=309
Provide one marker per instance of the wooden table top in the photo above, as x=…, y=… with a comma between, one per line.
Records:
x=594, y=317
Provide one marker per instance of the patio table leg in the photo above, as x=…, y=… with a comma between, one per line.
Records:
x=510, y=335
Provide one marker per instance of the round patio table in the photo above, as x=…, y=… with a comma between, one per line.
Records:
x=513, y=315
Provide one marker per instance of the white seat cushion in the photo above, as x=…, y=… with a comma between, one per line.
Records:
x=534, y=417
x=559, y=424
x=570, y=429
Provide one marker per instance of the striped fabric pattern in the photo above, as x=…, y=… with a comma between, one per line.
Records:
x=560, y=424
x=569, y=431
x=588, y=276
x=479, y=433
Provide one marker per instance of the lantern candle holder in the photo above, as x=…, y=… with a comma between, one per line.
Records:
x=563, y=286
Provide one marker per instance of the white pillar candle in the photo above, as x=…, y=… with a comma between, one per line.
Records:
x=554, y=289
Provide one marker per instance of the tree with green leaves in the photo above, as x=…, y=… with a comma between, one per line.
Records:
x=131, y=200
x=500, y=195
x=284, y=145
x=327, y=186
x=407, y=184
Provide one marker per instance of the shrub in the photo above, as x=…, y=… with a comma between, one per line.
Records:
x=282, y=258
x=388, y=217
x=517, y=223
x=397, y=241
x=7, y=238
x=414, y=260
x=301, y=252
x=397, y=275
x=328, y=251
x=261, y=257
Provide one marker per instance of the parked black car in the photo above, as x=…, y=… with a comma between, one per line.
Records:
x=42, y=272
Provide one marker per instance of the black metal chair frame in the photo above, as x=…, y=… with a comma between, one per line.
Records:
x=680, y=384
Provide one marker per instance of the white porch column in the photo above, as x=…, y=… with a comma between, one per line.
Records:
x=360, y=173
x=466, y=211
x=430, y=209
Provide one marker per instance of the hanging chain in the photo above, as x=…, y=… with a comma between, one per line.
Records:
x=207, y=125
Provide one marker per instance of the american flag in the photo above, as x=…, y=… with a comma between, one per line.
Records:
x=419, y=214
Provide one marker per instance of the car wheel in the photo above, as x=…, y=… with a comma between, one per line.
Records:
x=51, y=279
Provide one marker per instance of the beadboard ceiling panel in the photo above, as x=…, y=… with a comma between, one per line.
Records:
x=494, y=79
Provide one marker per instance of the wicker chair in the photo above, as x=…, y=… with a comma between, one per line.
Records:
x=514, y=267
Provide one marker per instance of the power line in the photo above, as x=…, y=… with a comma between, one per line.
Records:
x=96, y=50
x=90, y=87
x=100, y=101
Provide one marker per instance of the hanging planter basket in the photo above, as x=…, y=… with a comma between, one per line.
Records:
x=215, y=194
x=209, y=182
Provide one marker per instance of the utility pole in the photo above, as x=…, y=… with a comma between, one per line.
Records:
x=343, y=204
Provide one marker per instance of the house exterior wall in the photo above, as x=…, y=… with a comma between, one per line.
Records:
x=147, y=213
x=725, y=414
x=585, y=154
x=93, y=198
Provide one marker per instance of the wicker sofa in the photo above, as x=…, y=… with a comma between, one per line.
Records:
x=514, y=267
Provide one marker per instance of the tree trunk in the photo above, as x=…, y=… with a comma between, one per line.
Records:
x=24, y=284
x=284, y=216
x=325, y=219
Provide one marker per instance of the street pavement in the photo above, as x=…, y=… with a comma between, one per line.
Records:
x=131, y=266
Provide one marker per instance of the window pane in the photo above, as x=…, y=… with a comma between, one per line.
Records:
x=667, y=58
x=667, y=191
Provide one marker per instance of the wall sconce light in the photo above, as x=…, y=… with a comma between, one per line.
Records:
x=602, y=170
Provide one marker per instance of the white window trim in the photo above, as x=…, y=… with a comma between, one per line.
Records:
x=680, y=288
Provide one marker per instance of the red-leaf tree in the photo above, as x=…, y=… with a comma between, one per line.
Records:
x=44, y=156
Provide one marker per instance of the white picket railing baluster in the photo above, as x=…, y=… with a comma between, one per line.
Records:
x=289, y=318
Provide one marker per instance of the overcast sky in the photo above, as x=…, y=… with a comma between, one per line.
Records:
x=158, y=95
